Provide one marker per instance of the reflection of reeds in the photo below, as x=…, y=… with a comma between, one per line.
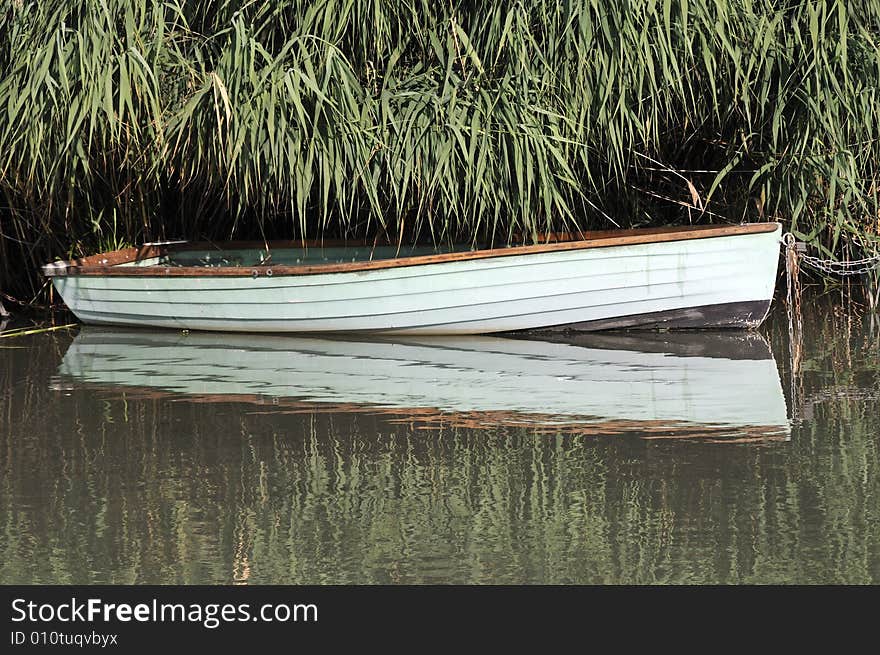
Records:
x=129, y=121
x=127, y=489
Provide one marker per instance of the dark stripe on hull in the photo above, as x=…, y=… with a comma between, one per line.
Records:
x=742, y=315
x=712, y=342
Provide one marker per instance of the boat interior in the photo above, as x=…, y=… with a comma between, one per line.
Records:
x=290, y=255
x=178, y=258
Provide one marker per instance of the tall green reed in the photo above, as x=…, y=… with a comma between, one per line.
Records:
x=130, y=121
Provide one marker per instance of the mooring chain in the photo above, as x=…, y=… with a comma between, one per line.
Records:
x=831, y=266
x=854, y=267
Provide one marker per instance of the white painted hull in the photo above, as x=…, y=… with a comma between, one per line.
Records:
x=472, y=296
x=730, y=384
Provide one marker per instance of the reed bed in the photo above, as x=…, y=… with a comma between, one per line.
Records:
x=132, y=121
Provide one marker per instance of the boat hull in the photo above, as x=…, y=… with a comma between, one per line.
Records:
x=725, y=281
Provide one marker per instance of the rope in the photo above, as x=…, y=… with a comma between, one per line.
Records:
x=795, y=257
x=795, y=322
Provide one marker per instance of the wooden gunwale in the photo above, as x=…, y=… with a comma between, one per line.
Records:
x=107, y=264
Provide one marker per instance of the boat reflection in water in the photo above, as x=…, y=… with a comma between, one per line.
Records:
x=712, y=386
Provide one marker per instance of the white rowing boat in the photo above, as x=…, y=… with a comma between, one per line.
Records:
x=709, y=385
x=712, y=276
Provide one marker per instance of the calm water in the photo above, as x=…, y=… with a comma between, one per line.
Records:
x=144, y=457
